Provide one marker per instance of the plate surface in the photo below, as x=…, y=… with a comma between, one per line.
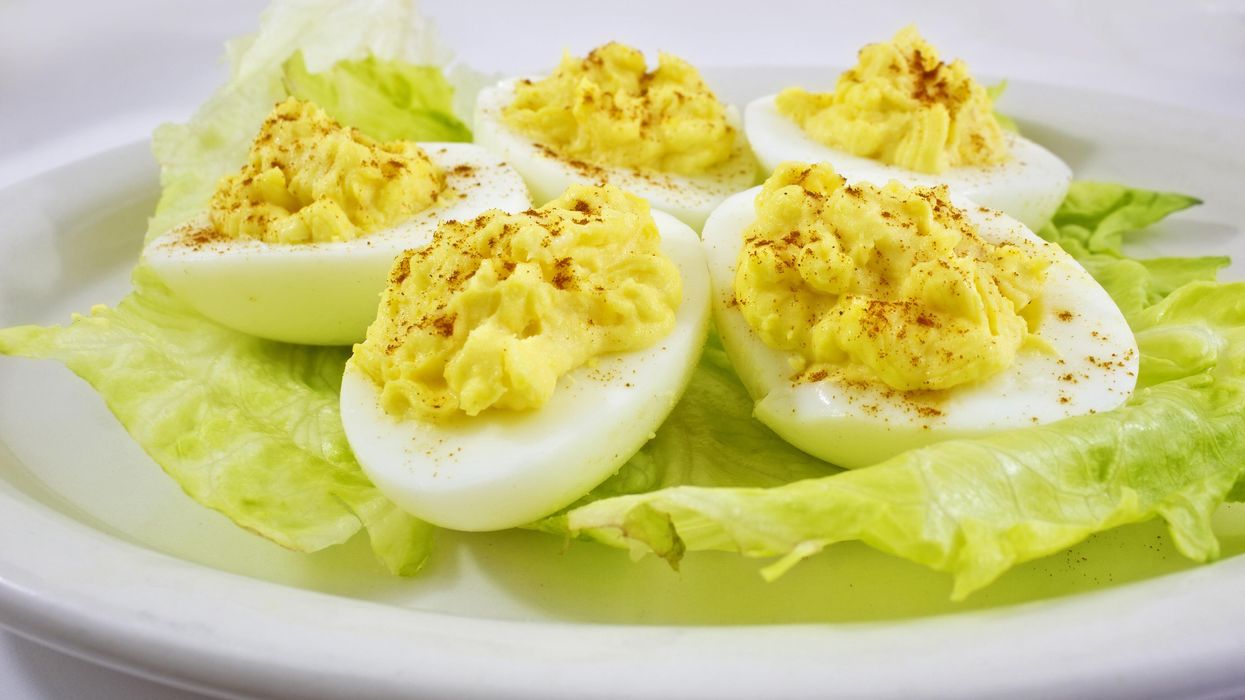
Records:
x=106, y=558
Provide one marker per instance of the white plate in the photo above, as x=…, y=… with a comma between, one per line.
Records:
x=103, y=556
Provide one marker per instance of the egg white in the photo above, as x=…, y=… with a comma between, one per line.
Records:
x=502, y=469
x=1028, y=186
x=323, y=293
x=690, y=198
x=854, y=427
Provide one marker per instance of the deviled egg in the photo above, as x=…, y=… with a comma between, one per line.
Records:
x=866, y=321
x=520, y=359
x=903, y=114
x=296, y=246
x=661, y=134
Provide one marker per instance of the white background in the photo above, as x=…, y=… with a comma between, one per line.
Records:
x=78, y=77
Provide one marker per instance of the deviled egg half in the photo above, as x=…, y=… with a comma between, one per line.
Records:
x=902, y=114
x=297, y=245
x=606, y=118
x=520, y=359
x=866, y=321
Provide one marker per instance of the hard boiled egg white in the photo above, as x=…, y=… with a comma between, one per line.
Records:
x=1029, y=186
x=689, y=198
x=322, y=293
x=1093, y=366
x=502, y=468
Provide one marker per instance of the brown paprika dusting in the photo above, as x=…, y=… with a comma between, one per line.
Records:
x=564, y=277
x=444, y=325
x=198, y=237
x=401, y=270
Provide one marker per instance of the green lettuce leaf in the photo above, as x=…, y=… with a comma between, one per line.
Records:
x=1090, y=225
x=972, y=508
x=1094, y=216
x=376, y=66
x=247, y=427
x=975, y=508
x=1136, y=284
x=384, y=99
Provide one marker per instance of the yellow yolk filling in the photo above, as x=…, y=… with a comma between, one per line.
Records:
x=495, y=310
x=903, y=106
x=309, y=179
x=608, y=109
x=882, y=284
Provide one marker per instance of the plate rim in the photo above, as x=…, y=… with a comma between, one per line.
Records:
x=142, y=627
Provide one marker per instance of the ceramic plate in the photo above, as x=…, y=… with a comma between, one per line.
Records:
x=103, y=556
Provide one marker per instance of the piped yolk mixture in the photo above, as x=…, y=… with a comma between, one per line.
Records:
x=309, y=179
x=609, y=109
x=885, y=284
x=495, y=310
x=903, y=106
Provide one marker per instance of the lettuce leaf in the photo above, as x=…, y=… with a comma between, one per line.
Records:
x=975, y=508
x=1094, y=216
x=376, y=65
x=1090, y=225
x=386, y=100
x=247, y=427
